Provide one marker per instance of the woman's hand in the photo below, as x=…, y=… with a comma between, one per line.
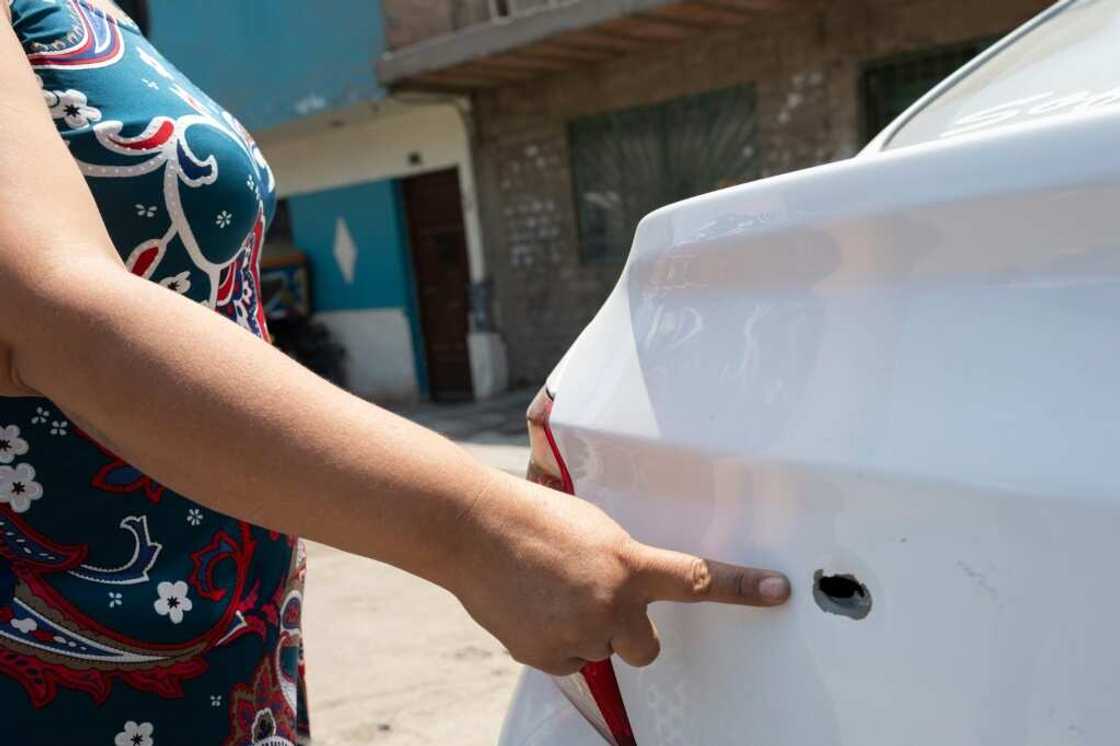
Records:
x=560, y=583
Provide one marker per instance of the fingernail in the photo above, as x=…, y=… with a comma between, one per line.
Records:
x=774, y=588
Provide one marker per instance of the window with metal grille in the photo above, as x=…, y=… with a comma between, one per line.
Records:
x=628, y=163
x=889, y=86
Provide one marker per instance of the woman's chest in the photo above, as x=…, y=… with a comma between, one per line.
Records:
x=184, y=191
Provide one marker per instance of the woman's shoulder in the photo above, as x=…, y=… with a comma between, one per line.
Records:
x=72, y=16
x=16, y=8
x=34, y=20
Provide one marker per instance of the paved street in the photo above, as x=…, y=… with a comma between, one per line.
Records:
x=394, y=661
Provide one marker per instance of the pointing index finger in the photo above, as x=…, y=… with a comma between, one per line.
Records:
x=673, y=576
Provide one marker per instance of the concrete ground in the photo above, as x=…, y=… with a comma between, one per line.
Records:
x=392, y=660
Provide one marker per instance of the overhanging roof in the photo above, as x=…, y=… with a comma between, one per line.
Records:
x=555, y=38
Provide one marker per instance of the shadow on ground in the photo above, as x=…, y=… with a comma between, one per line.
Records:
x=501, y=419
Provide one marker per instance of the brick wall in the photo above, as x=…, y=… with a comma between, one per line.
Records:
x=805, y=62
x=410, y=21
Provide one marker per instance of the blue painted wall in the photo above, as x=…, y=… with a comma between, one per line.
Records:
x=271, y=61
x=374, y=214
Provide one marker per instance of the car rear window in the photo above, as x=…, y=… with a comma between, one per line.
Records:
x=1069, y=64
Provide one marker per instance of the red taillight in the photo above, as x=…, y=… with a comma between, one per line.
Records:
x=595, y=693
x=594, y=690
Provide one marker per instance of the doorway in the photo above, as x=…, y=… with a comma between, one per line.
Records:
x=434, y=205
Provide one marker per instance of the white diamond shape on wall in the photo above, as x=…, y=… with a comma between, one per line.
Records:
x=345, y=251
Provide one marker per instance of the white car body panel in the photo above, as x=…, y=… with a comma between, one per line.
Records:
x=880, y=141
x=905, y=367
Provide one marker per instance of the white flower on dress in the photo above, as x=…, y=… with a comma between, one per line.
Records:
x=215, y=700
x=150, y=83
x=41, y=416
x=155, y=64
x=180, y=283
x=194, y=517
x=173, y=601
x=251, y=183
x=18, y=487
x=135, y=734
x=145, y=211
x=115, y=599
x=73, y=108
x=224, y=218
x=26, y=626
x=11, y=445
x=58, y=427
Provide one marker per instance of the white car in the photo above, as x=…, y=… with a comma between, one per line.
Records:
x=896, y=379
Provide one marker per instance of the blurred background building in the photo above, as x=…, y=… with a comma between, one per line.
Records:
x=464, y=176
x=590, y=113
x=376, y=191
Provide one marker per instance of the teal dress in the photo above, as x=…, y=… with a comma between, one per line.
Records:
x=130, y=615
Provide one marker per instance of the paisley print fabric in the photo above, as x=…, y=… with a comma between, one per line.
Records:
x=130, y=615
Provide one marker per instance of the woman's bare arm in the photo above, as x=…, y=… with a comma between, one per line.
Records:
x=258, y=437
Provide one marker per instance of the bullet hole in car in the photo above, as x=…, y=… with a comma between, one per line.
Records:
x=842, y=595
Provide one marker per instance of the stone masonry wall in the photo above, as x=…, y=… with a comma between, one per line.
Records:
x=408, y=22
x=806, y=63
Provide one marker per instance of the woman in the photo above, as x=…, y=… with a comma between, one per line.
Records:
x=131, y=614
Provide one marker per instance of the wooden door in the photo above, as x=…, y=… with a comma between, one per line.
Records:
x=439, y=257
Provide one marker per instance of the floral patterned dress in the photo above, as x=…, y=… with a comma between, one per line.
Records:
x=130, y=615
